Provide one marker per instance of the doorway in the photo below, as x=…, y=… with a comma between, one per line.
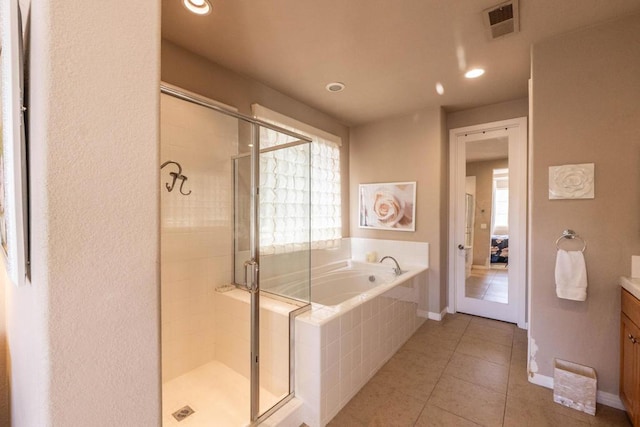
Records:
x=487, y=232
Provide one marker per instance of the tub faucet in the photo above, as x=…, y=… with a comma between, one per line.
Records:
x=396, y=270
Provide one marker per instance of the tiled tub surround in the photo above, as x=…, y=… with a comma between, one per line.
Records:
x=339, y=348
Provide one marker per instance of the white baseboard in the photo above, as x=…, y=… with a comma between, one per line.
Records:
x=608, y=399
x=541, y=380
x=437, y=316
x=525, y=326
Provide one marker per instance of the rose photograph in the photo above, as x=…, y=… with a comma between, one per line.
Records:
x=388, y=206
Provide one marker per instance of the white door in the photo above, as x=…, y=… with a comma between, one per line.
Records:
x=496, y=153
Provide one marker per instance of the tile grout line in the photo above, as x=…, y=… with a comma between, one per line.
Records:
x=506, y=395
x=457, y=334
x=441, y=374
x=469, y=382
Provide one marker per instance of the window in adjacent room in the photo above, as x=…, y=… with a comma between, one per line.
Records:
x=500, y=211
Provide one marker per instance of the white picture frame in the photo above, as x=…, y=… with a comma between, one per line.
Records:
x=13, y=177
x=388, y=206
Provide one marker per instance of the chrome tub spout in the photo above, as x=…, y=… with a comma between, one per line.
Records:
x=397, y=270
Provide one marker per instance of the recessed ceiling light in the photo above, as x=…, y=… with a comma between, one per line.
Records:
x=335, y=87
x=473, y=73
x=199, y=7
x=439, y=88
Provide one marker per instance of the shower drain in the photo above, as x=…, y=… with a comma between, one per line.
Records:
x=183, y=413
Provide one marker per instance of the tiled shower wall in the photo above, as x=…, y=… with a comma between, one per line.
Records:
x=196, y=230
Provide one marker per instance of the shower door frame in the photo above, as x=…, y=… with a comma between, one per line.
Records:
x=254, y=262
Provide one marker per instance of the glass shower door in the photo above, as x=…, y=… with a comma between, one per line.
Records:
x=226, y=354
x=272, y=252
x=205, y=323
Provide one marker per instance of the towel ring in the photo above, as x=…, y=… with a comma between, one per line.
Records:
x=570, y=234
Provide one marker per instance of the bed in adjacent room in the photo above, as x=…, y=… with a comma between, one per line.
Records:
x=499, y=249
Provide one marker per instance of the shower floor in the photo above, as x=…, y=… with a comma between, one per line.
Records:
x=218, y=395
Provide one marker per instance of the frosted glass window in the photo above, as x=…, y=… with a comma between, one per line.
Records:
x=289, y=190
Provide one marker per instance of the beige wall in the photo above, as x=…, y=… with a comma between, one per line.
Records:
x=407, y=148
x=83, y=336
x=189, y=71
x=483, y=171
x=489, y=113
x=586, y=109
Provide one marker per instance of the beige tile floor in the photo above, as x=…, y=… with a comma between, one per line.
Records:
x=488, y=284
x=463, y=371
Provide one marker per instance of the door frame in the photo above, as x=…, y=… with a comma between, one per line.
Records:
x=517, y=207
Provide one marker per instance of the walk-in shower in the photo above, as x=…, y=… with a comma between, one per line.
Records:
x=226, y=321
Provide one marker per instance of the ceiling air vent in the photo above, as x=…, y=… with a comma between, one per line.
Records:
x=502, y=19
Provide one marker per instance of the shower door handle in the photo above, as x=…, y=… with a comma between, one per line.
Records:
x=252, y=266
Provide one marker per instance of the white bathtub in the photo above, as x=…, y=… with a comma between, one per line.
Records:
x=354, y=280
x=355, y=325
x=332, y=284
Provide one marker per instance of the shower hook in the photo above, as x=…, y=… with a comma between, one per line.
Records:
x=173, y=183
x=175, y=176
x=184, y=179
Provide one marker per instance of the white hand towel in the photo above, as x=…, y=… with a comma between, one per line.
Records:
x=571, y=275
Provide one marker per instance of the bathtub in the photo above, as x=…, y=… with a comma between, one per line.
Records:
x=336, y=283
x=361, y=315
x=353, y=280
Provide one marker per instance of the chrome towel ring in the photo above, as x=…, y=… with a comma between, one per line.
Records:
x=570, y=234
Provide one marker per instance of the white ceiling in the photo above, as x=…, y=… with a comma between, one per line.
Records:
x=390, y=54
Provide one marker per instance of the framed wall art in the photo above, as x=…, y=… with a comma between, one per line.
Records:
x=388, y=206
x=572, y=181
x=13, y=151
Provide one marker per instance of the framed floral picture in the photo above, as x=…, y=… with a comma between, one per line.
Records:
x=572, y=181
x=388, y=206
x=13, y=160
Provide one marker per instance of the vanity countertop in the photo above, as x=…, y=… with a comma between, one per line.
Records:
x=631, y=284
